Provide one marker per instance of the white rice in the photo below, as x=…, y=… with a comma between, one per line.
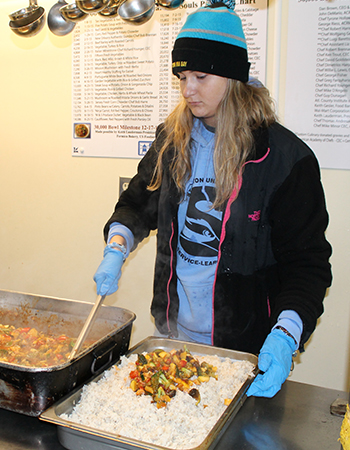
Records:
x=110, y=405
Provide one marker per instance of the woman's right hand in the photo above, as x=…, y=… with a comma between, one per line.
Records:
x=109, y=271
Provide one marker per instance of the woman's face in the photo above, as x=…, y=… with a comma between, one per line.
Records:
x=203, y=92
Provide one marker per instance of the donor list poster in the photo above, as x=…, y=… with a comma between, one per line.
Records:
x=317, y=105
x=122, y=81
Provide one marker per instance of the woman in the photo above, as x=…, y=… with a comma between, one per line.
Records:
x=242, y=260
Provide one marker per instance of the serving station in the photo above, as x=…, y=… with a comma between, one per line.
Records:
x=33, y=398
x=297, y=418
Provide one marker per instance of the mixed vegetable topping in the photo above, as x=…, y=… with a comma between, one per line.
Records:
x=161, y=373
x=28, y=347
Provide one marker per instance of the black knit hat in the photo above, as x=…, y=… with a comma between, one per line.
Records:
x=212, y=41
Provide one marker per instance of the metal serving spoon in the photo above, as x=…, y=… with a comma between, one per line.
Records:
x=28, y=21
x=56, y=22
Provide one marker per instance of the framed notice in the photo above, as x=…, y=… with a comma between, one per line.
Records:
x=122, y=81
x=317, y=105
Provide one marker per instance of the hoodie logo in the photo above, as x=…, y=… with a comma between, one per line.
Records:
x=201, y=232
x=255, y=216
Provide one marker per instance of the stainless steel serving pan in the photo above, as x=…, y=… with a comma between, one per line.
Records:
x=74, y=436
x=31, y=390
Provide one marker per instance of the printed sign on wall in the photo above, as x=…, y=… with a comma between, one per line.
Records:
x=122, y=81
x=317, y=103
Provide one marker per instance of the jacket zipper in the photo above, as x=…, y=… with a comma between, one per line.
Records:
x=227, y=215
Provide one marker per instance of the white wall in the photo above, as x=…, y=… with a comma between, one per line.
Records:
x=53, y=206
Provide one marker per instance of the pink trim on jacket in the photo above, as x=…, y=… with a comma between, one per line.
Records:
x=170, y=276
x=227, y=215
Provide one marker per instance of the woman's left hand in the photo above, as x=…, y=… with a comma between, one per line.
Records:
x=275, y=360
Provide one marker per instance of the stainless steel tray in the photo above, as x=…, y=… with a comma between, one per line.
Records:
x=74, y=436
x=31, y=390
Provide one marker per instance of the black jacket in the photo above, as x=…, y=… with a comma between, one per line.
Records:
x=273, y=254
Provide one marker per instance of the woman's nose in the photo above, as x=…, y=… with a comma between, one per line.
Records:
x=188, y=88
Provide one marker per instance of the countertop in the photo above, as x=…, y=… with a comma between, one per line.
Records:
x=297, y=418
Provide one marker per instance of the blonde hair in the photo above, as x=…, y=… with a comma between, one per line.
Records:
x=243, y=109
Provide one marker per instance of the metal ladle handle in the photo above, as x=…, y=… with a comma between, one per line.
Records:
x=87, y=326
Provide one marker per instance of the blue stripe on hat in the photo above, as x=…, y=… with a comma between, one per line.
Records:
x=217, y=24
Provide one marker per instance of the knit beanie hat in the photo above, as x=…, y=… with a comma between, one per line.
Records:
x=212, y=41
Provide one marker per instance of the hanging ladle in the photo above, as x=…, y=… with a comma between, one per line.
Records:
x=111, y=10
x=72, y=13
x=57, y=24
x=92, y=6
x=137, y=12
x=28, y=21
x=169, y=4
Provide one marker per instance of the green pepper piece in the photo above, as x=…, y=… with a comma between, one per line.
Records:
x=141, y=359
x=163, y=380
x=155, y=381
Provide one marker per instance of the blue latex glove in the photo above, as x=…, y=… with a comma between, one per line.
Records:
x=275, y=359
x=109, y=271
